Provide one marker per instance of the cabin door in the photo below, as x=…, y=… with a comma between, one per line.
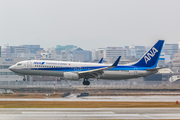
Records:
x=29, y=64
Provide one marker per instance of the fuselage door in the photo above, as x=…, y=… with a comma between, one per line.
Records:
x=29, y=64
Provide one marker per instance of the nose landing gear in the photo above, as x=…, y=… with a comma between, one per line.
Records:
x=86, y=82
x=24, y=79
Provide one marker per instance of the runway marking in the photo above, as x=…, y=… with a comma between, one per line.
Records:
x=163, y=114
x=115, y=115
x=67, y=112
x=97, y=109
x=90, y=116
x=90, y=113
x=148, y=116
x=104, y=98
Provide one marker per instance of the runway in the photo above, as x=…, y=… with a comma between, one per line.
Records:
x=88, y=113
x=93, y=113
x=74, y=97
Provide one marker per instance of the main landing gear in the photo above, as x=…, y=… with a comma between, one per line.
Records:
x=86, y=82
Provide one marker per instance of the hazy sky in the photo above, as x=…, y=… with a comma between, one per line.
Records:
x=89, y=24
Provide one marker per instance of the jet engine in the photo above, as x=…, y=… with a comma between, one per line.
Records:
x=71, y=76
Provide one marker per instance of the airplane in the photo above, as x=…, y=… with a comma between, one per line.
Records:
x=145, y=66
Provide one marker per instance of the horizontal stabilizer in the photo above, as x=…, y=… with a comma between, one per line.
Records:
x=155, y=69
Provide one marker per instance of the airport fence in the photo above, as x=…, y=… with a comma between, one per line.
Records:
x=94, y=84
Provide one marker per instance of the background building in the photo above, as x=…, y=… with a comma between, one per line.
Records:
x=50, y=54
x=112, y=53
x=33, y=48
x=19, y=49
x=59, y=48
x=80, y=55
x=66, y=55
x=136, y=51
x=170, y=49
x=161, y=62
x=97, y=54
x=0, y=51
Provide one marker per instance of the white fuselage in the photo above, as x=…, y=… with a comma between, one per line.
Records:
x=58, y=68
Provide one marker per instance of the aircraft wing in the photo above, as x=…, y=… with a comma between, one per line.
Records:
x=97, y=72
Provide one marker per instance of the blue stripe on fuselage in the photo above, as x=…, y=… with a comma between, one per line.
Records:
x=73, y=69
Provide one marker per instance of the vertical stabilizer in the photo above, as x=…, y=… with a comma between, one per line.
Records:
x=150, y=58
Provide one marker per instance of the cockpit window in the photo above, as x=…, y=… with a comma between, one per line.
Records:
x=19, y=64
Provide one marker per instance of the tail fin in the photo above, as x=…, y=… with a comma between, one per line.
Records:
x=150, y=58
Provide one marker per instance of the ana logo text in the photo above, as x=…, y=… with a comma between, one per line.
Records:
x=8, y=59
x=150, y=54
x=39, y=63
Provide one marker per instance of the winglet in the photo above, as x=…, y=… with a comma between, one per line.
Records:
x=101, y=60
x=116, y=62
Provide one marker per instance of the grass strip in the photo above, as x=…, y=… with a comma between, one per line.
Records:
x=83, y=104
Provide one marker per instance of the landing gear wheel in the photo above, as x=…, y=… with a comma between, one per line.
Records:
x=86, y=82
x=24, y=79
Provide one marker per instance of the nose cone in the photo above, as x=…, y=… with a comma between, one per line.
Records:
x=11, y=68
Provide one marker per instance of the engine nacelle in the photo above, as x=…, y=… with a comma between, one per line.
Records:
x=71, y=76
